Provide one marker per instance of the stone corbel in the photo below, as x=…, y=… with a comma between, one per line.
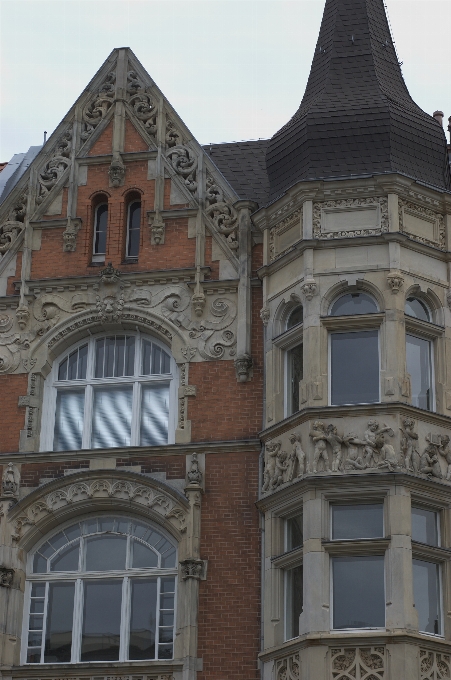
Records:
x=6, y=577
x=243, y=367
x=395, y=282
x=70, y=235
x=22, y=314
x=193, y=568
x=157, y=228
x=265, y=315
x=198, y=300
x=10, y=481
x=309, y=288
x=116, y=171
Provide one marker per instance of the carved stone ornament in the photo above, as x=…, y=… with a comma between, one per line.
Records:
x=6, y=577
x=13, y=224
x=157, y=229
x=198, y=299
x=139, y=494
x=22, y=315
x=189, y=352
x=173, y=136
x=265, y=315
x=243, y=365
x=429, y=217
x=194, y=475
x=116, y=171
x=55, y=167
x=395, y=282
x=184, y=162
x=10, y=481
x=110, y=297
x=349, y=204
x=70, y=235
x=142, y=102
x=434, y=665
x=288, y=668
x=358, y=663
x=192, y=568
x=223, y=214
x=276, y=234
x=309, y=288
x=98, y=106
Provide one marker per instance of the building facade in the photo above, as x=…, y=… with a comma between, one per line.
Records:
x=225, y=379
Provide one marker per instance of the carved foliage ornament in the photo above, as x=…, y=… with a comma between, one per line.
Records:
x=142, y=102
x=13, y=225
x=395, y=282
x=184, y=162
x=289, y=668
x=54, y=167
x=194, y=475
x=192, y=568
x=427, y=215
x=98, y=106
x=350, y=203
x=434, y=666
x=223, y=214
x=358, y=663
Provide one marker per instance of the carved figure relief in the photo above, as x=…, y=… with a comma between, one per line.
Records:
x=98, y=106
x=54, y=167
x=6, y=577
x=297, y=462
x=434, y=665
x=13, y=225
x=319, y=438
x=10, y=481
x=358, y=663
x=288, y=668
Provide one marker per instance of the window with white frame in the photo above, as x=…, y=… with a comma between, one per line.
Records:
x=294, y=575
x=133, y=229
x=354, y=353
x=100, y=232
x=290, y=342
x=102, y=589
x=419, y=353
x=426, y=572
x=109, y=391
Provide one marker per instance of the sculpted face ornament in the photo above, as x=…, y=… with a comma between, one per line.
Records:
x=116, y=171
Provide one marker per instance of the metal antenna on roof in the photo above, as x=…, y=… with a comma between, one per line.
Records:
x=45, y=136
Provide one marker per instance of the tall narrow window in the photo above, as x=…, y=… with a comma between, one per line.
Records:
x=133, y=229
x=100, y=232
x=295, y=375
x=419, y=359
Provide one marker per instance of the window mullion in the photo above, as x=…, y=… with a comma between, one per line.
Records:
x=136, y=414
x=87, y=421
x=125, y=620
x=78, y=620
x=44, y=620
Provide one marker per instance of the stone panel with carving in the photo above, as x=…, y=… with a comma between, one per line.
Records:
x=350, y=218
x=358, y=663
x=434, y=665
x=288, y=668
x=285, y=234
x=422, y=224
x=98, y=106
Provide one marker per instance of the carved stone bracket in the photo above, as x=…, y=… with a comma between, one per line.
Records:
x=194, y=475
x=6, y=577
x=192, y=568
x=243, y=366
x=395, y=282
x=189, y=352
x=70, y=235
x=198, y=300
x=10, y=481
x=157, y=228
x=309, y=288
x=116, y=171
x=265, y=315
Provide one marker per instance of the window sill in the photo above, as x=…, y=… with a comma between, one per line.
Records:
x=154, y=664
x=364, y=546
x=288, y=559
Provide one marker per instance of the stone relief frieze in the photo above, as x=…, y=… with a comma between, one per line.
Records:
x=288, y=668
x=142, y=102
x=373, y=446
x=358, y=663
x=434, y=665
x=99, y=676
x=11, y=226
x=350, y=204
x=54, y=167
x=424, y=216
x=98, y=106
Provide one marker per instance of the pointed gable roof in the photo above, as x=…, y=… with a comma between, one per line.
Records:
x=357, y=116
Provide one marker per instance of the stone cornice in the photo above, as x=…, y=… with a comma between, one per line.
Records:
x=126, y=157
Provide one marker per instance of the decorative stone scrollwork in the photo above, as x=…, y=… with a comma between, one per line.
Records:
x=192, y=568
x=189, y=352
x=184, y=163
x=434, y=665
x=395, y=282
x=6, y=577
x=55, y=167
x=265, y=315
x=288, y=668
x=6, y=322
x=309, y=288
x=10, y=481
x=116, y=171
x=358, y=663
x=350, y=204
x=224, y=215
x=173, y=137
x=13, y=225
x=142, y=103
x=194, y=475
x=98, y=106
x=243, y=366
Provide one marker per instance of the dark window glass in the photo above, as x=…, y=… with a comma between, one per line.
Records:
x=418, y=358
x=295, y=600
x=425, y=526
x=101, y=620
x=295, y=536
x=357, y=521
x=355, y=367
x=426, y=590
x=74, y=366
x=105, y=552
x=60, y=614
x=358, y=592
x=143, y=619
x=417, y=308
x=154, y=360
x=133, y=229
x=100, y=228
x=143, y=556
x=67, y=559
x=295, y=369
x=354, y=303
x=296, y=317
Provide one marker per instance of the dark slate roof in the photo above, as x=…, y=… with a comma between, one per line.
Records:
x=243, y=166
x=13, y=171
x=357, y=116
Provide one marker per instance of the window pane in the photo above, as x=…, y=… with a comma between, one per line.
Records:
x=354, y=303
x=115, y=356
x=82, y=362
x=418, y=358
x=62, y=370
x=425, y=526
x=100, y=228
x=355, y=367
x=133, y=229
x=70, y=406
x=295, y=537
x=112, y=417
x=154, y=415
x=358, y=592
x=295, y=369
x=296, y=317
x=294, y=600
x=105, y=553
x=155, y=360
x=143, y=556
x=357, y=521
x=39, y=564
x=426, y=590
x=143, y=619
x=67, y=559
x=166, y=633
x=60, y=614
x=417, y=308
x=101, y=620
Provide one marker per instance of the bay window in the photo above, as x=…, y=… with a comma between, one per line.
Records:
x=426, y=570
x=419, y=353
x=115, y=390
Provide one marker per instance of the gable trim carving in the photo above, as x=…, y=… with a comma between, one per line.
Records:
x=92, y=490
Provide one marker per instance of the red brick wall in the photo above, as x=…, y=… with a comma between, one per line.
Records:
x=31, y=473
x=13, y=416
x=229, y=600
x=104, y=143
x=133, y=140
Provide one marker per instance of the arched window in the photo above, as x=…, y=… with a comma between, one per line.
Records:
x=100, y=232
x=419, y=354
x=102, y=589
x=354, y=354
x=295, y=361
x=114, y=390
x=133, y=229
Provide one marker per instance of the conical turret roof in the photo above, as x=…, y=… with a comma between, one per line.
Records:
x=357, y=116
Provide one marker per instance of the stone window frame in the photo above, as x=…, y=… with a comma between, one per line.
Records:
x=133, y=195
x=49, y=390
x=97, y=201
x=283, y=343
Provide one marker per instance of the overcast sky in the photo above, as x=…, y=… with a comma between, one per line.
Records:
x=232, y=69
